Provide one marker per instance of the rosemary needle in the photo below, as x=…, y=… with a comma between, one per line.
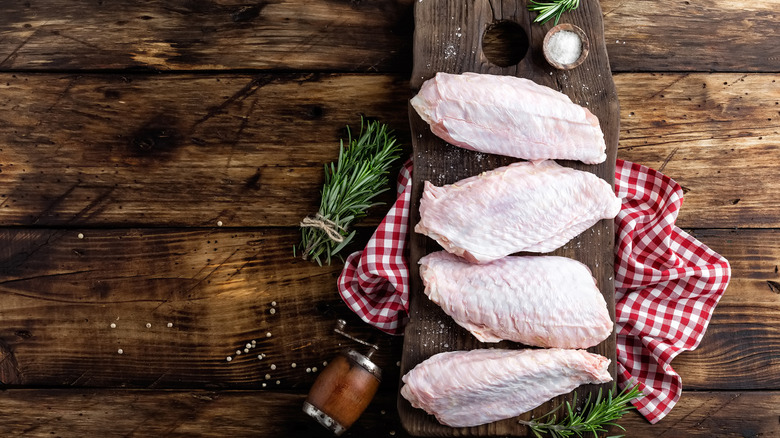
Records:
x=591, y=419
x=351, y=184
x=552, y=9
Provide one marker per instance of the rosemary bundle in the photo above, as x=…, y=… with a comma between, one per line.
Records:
x=592, y=418
x=351, y=184
x=551, y=9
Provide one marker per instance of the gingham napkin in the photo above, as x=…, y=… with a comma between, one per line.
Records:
x=667, y=282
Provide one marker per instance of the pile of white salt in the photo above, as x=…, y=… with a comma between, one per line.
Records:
x=564, y=46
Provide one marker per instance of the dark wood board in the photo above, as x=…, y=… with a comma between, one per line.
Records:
x=62, y=289
x=205, y=35
x=70, y=144
x=350, y=35
x=672, y=35
x=217, y=285
x=108, y=150
x=448, y=37
x=48, y=412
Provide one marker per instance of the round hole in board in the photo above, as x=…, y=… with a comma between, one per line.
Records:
x=504, y=43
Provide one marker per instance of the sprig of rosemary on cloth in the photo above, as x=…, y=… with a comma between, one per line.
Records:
x=554, y=8
x=351, y=184
x=592, y=418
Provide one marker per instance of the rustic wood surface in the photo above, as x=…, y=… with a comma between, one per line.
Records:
x=73, y=145
x=100, y=149
x=206, y=35
x=351, y=35
x=129, y=131
x=61, y=294
x=449, y=37
x=142, y=413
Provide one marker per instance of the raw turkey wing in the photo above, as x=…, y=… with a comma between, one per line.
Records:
x=509, y=116
x=469, y=388
x=544, y=301
x=526, y=206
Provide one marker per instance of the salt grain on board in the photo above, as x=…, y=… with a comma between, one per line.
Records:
x=112, y=325
x=449, y=51
x=120, y=351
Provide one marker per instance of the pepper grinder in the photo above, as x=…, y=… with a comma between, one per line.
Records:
x=345, y=387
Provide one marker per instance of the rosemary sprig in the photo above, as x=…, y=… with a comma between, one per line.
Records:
x=592, y=418
x=553, y=8
x=351, y=183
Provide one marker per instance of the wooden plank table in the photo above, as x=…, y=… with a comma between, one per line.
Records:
x=156, y=157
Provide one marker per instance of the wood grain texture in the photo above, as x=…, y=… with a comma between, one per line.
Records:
x=743, y=338
x=141, y=413
x=178, y=150
x=754, y=256
x=101, y=154
x=670, y=35
x=448, y=38
x=59, y=294
x=715, y=134
x=105, y=150
x=713, y=414
x=219, y=290
x=645, y=35
x=206, y=35
x=739, y=350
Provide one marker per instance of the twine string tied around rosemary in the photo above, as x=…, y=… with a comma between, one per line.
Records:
x=352, y=183
x=321, y=222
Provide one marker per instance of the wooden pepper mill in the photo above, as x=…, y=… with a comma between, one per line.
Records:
x=345, y=387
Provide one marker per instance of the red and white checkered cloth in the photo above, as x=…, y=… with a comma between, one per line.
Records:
x=667, y=283
x=375, y=281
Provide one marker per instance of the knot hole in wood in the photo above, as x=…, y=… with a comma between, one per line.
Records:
x=505, y=43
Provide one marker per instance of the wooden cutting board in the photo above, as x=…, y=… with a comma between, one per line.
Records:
x=448, y=37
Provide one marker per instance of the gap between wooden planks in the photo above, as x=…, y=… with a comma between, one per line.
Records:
x=204, y=35
x=61, y=291
x=103, y=150
x=59, y=294
x=121, y=413
x=646, y=35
